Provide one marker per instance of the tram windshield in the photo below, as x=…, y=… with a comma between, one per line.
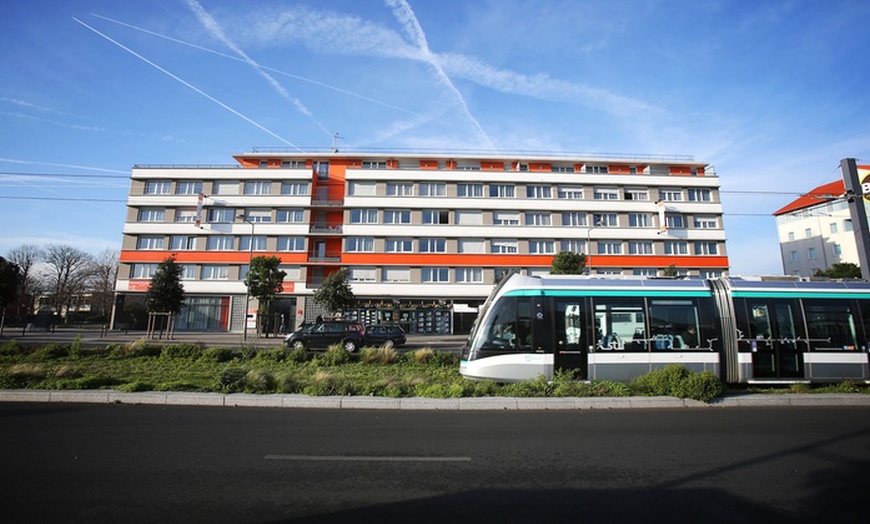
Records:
x=508, y=326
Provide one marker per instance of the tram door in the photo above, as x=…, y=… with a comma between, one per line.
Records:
x=570, y=336
x=772, y=338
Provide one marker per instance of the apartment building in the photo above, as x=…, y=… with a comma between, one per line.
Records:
x=424, y=235
x=815, y=230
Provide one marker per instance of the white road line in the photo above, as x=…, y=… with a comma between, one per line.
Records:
x=360, y=458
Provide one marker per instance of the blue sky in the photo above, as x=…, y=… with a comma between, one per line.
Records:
x=772, y=93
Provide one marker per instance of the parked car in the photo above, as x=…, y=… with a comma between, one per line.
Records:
x=386, y=335
x=349, y=334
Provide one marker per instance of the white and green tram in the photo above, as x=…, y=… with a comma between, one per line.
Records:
x=743, y=330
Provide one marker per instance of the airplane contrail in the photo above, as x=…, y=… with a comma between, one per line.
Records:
x=217, y=31
x=405, y=15
x=191, y=86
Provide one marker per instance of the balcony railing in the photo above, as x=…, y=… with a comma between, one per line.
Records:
x=324, y=230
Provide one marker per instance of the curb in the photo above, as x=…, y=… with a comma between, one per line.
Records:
x=296, y=401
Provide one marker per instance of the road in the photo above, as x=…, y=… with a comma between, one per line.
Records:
x=101, y=463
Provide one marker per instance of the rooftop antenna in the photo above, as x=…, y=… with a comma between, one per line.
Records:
x=335, y=137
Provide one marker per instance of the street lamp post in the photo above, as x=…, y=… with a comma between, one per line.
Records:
x=248, y=278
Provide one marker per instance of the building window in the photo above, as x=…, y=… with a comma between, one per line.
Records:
x=435, y=274
x=429, y=189
x=640, y=248
x=185, y=214
x=671, y=195
x=676, y=247
x=188, y=271
x=537, y=191
x=605, y=219
x=847, y=225
x=214, y=272
x=259, y=243
x=360, y=244
x=296, y=244
x=158, y=187
x=538, y=219
x=808, y=232
x=150, y=242
x=699, y=195
x=706, y=223
x=397, y=216
x=258, y=187
x=574, y=218
x=562, y=169
x=791, y=236
x=362, y=274
x=504, y=246
x=640, y=220
x=469, y=275
x=706, y=248
x=609, y=248
x=362, y=189
x=469, y=218
x=400, y=189
x=221, y=215
x=834, y=228
x=570, y=193
x=793, y=256
x=293, y=164
x=434, y=216
x=374, y=165
x=188, y=187
x=396, y=274
x=322, y=170
x=143, y=270
x=182, y=243
x=220, y=243
x=294, y=188
x=501, y=190
x=675, y=222
x=364, y=216
x=290, y=216
x=433, y=245
x=542, y=247
x=573, y=245
x=605, y=194
x=472, y=245
x=811, y=253
x=506, y=218
x=596, y=169
x=469, y=190
x=837, y=249
x=645, y=272
x=399, y=245
x=225, y=187
x=637, y=194
x=152, y=214
x=710, y=273
x=259, y=216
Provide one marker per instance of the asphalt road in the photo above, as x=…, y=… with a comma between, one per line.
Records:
x=102, y=463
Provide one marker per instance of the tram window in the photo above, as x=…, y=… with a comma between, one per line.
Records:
x=509, y=326
x=674, y=324
x=620, y=324
x=831, y=325
x=569, y=323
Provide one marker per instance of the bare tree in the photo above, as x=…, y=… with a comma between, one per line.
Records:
x=26, y=257
x=67, y=272
x=104, y=271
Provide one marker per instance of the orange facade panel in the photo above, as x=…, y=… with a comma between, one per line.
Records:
x=680, y=171
x=428, y=164
x=540, y=167
x=491, y=165
x=619, y=169
x=207, y=257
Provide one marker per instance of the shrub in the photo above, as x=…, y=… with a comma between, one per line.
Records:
x=445, y=359
x=137, y=348
x=381, y=355
x=179, y=351
x=216, y=354
x=11, y=348
x=334, y=356
x=269, y=356
x=77, y=346
x=439, y=390
x=422, y=356
x=133, y=387
x=703, y=386
x=676, y=381
x=92, y=382
x=289, y=383
x=609, y=388
x=177, y=385
x=66, y=371
x=232, y=380
x=325, y=383
x=847, y=386
x=260, y=381
x=27, y=372
x=51, y=352
x=298, y=355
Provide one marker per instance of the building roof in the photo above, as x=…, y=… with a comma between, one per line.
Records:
x=819, y=195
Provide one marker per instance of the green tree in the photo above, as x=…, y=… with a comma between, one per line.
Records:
x=11, y=282
x=334, y=293
x=568, y=263
x=670, y=271
x=841, y=270
x=166, y=294
x=265, y=281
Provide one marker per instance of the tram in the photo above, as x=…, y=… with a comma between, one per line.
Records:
x=744, y=330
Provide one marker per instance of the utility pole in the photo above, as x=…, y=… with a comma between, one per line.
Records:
x=855, y=195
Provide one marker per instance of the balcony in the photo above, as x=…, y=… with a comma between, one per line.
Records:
x=321, y=229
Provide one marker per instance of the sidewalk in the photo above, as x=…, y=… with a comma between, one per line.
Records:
x=297, y=401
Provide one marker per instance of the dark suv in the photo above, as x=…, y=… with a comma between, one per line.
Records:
x=386, y=335
x=349, y=334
